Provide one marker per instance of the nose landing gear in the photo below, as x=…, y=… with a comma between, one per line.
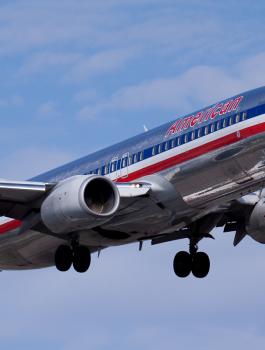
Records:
x=196, y=262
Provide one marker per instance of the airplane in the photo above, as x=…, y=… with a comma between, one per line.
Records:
x=178, y=181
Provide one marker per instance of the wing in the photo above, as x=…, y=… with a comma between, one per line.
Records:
x=153, y=199
x=232, y=217
x=143, y=203
x=18, y=199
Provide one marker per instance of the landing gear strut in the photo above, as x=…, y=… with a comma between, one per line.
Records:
x=76, y=255
x=196, y=262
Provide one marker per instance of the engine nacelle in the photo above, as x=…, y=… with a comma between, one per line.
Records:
x=256, y=223
x=80, y=202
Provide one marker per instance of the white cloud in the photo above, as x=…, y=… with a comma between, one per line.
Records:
x=76, y=67
x=196, y=87
x=48, y=110
x=27, y=26
x=16, y=101
x=84, y=96
x=12, y=101
x=100, y=63
x=46, y=60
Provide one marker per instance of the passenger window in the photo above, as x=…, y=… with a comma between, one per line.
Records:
x=173, y=143
x=159, y=149
x=237, y=118
x=212, y=128
x=244, y=116
x=178, y=141
x=206, y=130
x=199, y=133
x=166, y=146
x=106, y=170
x=141, y=156
x=217, y=125
x=192, y=135
x=224, y=123
x=153, y=151
x=135, y=158
x=230, y=120
x=124, y=162
x=186, y=138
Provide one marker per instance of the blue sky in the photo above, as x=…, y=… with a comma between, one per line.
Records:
x=80, y=75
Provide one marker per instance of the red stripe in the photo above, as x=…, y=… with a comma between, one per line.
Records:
x=170, y=162
x=195, y=152
x=9, y=226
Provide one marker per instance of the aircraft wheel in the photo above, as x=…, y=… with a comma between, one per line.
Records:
x=82, y=259
x=200, y=265
x=182, y=264
x=63, y=258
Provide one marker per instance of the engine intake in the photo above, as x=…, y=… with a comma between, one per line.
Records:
x=99, y=196
x=80, y=202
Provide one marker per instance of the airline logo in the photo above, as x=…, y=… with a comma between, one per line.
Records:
x=191, y=121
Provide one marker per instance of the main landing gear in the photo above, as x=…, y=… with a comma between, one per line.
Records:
x=76, y=255
x=196, y=262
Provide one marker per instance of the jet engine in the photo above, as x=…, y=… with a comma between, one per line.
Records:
x=80, y=202
x=256, y=224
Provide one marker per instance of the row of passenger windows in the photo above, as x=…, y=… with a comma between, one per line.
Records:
x=118, y=164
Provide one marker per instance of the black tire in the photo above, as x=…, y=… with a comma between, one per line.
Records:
x=82, y=259
x=200, y=265
x=182, y=264
x=63, y=258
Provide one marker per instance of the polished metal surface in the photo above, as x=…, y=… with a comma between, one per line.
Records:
x=153, y=204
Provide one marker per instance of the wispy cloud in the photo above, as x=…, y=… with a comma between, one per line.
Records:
x=11, y=101
x=197, y=86
x=84, y=96
x=42, y=61
x=100, y=64
x=48, y=110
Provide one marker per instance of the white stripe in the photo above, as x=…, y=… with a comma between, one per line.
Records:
x=192, y=144
x=4, y=220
